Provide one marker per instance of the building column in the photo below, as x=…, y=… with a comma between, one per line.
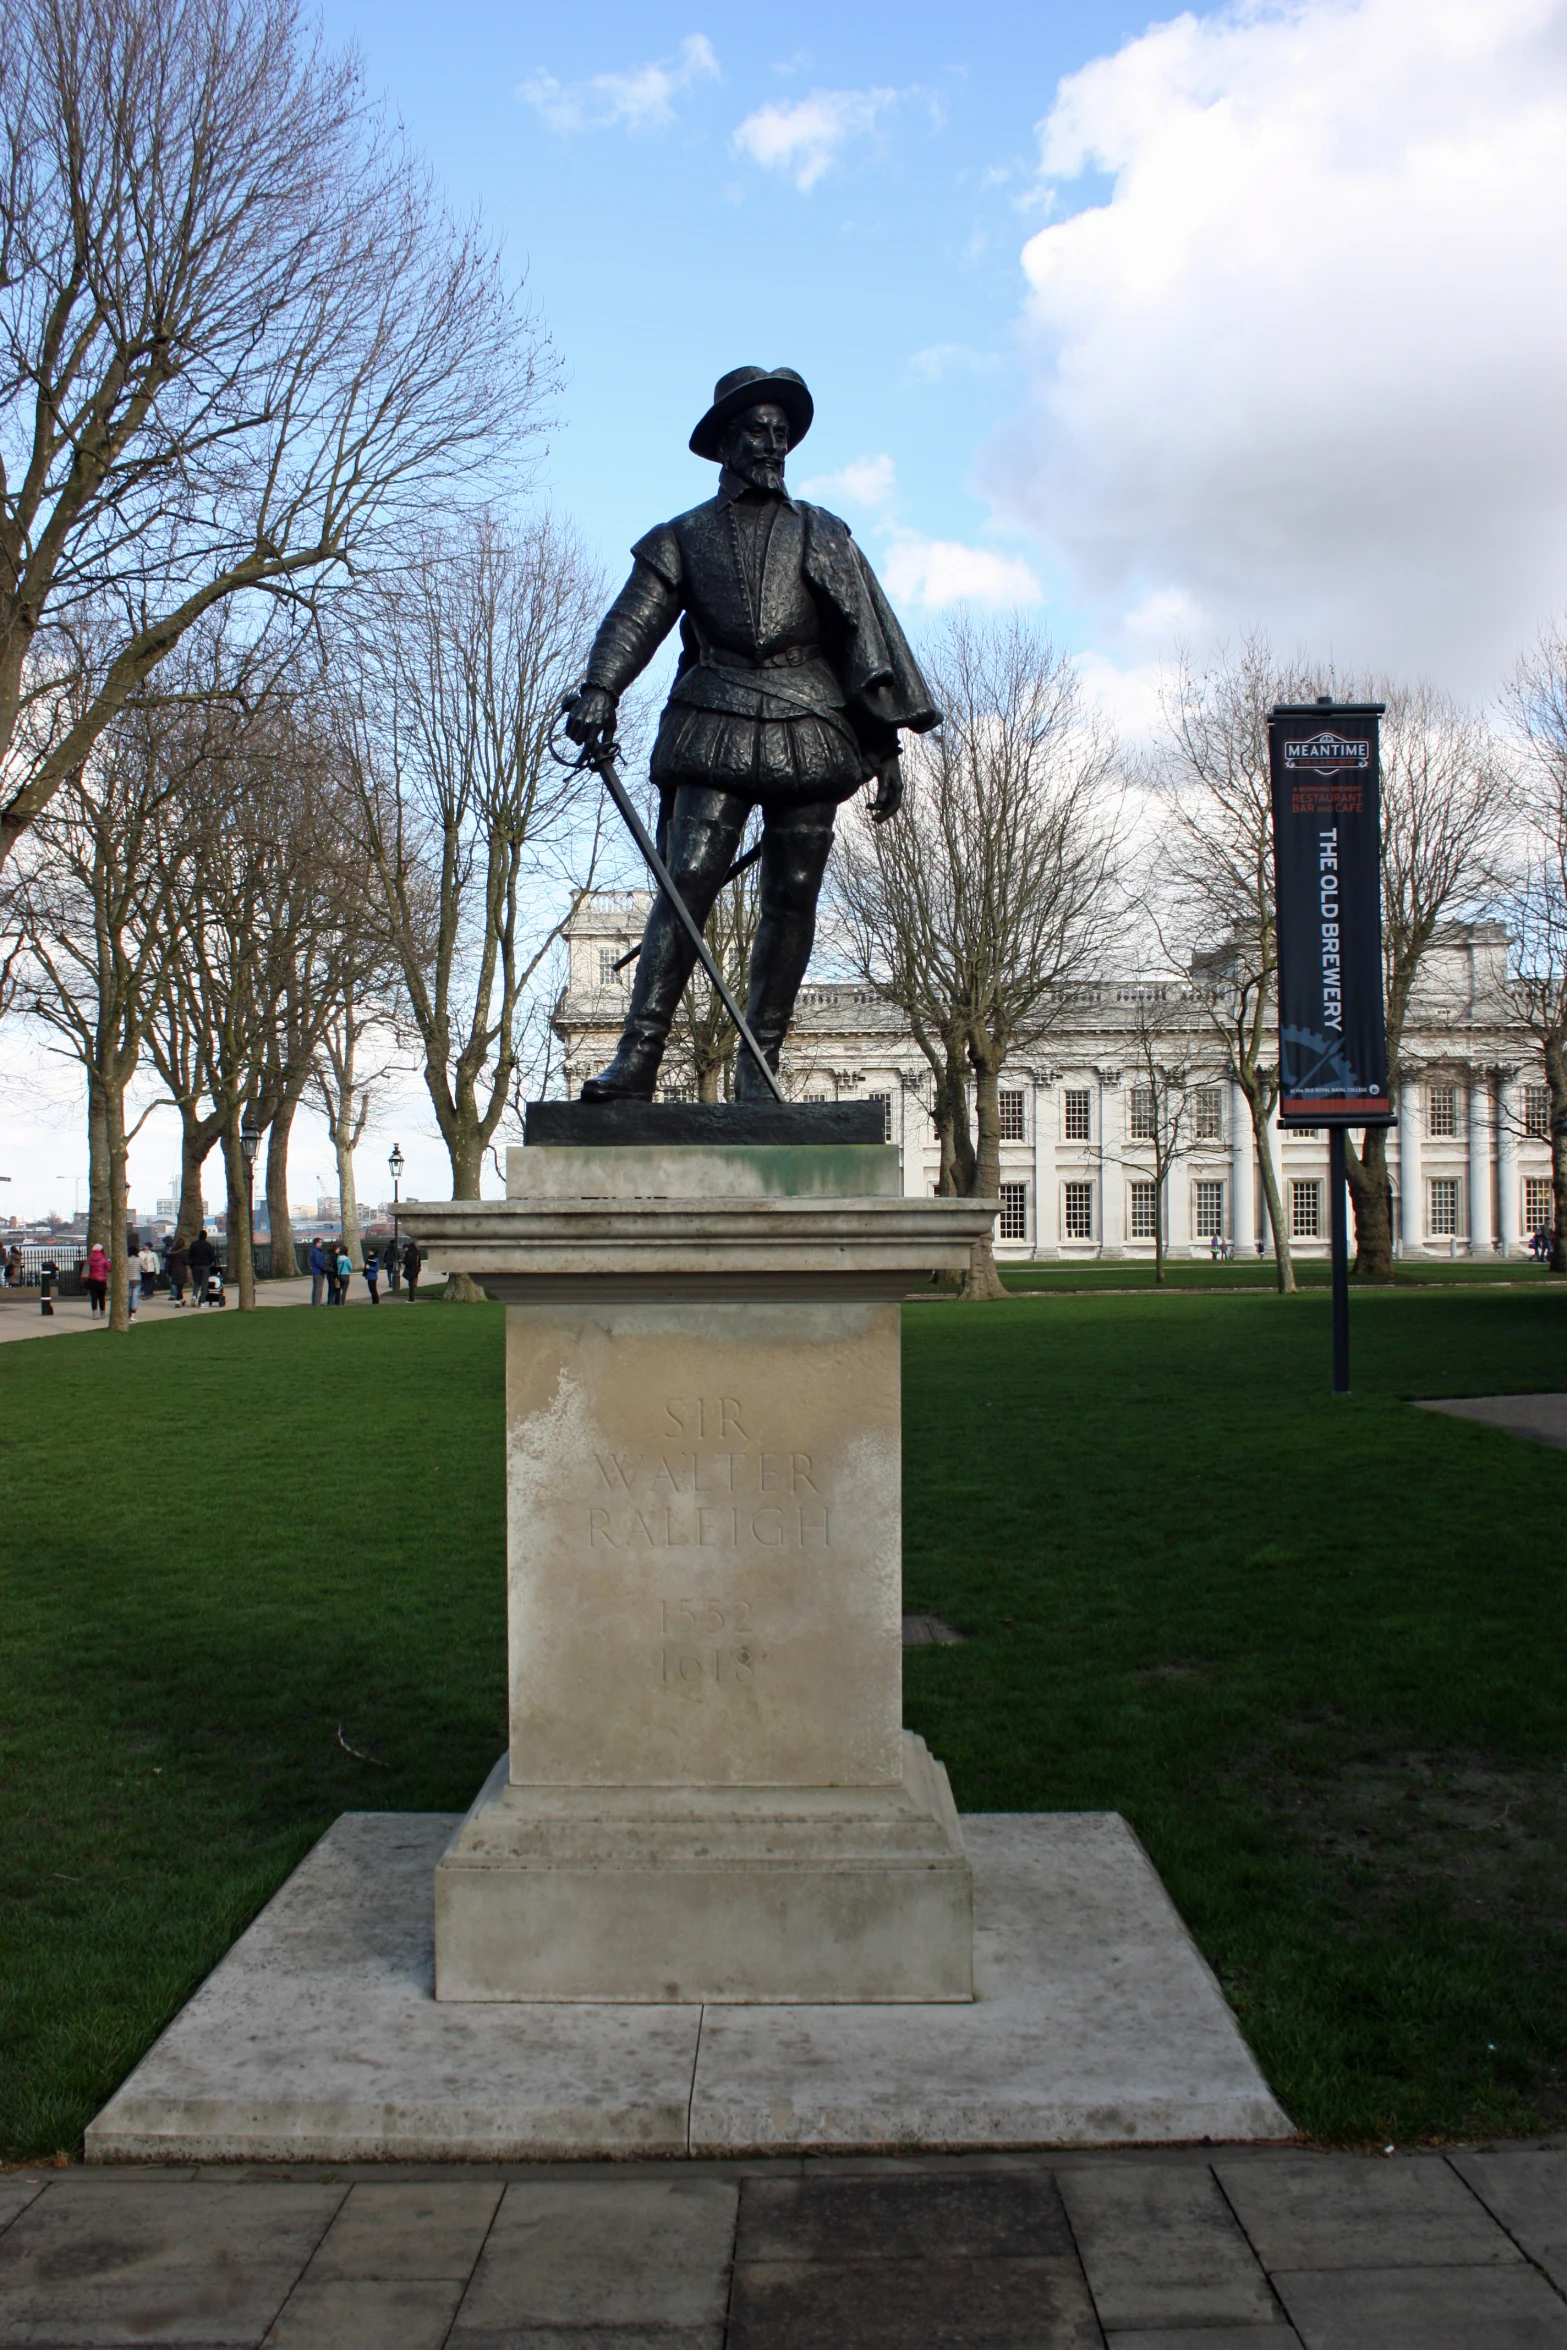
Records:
x=1509, y=1205
x=1243, y=1169
x=1112, y=1175
x=1178, y=1209
x=1479, y=1165
x=1411, y=1204
x=1047, y=1240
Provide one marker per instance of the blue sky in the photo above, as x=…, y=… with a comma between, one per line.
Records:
x=879, y=256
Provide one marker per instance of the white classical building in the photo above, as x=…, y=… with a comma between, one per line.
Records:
x=1470, y=1157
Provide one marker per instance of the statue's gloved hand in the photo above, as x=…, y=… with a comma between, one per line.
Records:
x=591, y=718
x=887, y=798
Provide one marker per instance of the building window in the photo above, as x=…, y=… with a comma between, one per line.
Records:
x=1012, y=1223
x=1009, y=1117
x=1442, y=1112
x=885, y=1100
x=1145, y=1211
x=1537, y=1112
x=1209, y=1204
x=1304, y=1133
x=1305, y=1211
x=1076, y=1128
x=608, y=958
x=1444, y=1207
x=1210, y=1113
x=1539, y=1205
x=1079, y=1207
x=1143, y=1113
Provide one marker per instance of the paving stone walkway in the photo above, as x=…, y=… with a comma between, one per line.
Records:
x=1229, y=2249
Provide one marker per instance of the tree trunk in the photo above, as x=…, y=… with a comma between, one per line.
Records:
x=982, y=1280
x=242, y=1263
x=100, y=1222
x=1270, y=1191
x=116, y=1154
x=194, y=1147
x=347, y=1194
x=279, y=1225
x=1556, y=1079
x=1371, y=1195
x=710, y=1081
x=1161, y=1176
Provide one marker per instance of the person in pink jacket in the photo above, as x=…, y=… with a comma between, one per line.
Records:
x=98, y=1278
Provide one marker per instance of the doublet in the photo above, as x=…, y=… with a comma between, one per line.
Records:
x=794, y=674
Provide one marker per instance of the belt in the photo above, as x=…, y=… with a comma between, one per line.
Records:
x=791, y=657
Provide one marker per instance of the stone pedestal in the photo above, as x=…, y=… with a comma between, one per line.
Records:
x=708, y=1794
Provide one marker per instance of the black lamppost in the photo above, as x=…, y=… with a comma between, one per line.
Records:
x=395, y=1163
x=250, y=1143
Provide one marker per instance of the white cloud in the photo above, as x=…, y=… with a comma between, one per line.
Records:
x=943, y=359
x=640, y=99
x=806, y=139
x=934, y=572
x=1305, y=367
x=867, y=481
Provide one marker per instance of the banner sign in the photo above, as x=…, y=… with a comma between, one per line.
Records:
x=1327, y=837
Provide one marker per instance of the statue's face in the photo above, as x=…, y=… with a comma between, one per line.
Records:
x=756, y=445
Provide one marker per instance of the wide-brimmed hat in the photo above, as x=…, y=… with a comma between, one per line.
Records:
x=747, y=387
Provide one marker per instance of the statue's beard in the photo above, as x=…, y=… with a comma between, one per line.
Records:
x=761, y=473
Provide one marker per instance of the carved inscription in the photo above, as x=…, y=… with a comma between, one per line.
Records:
x=710, y=1486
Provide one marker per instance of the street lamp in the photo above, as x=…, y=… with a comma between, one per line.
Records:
x=250, y=1143
x=396, y=1164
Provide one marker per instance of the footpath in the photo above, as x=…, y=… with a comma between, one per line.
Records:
x=1200, y=2249
x=20, y=1316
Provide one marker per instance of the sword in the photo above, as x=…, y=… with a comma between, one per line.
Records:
x=602, y=760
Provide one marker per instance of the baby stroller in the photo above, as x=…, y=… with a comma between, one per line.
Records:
x=213, y=1295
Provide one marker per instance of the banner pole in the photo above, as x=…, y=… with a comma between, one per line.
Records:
x=1339, y=1228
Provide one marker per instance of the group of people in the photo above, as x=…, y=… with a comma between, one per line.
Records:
x=142, y=1272
x=332, y=1270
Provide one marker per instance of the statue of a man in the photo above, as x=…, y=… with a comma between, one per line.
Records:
x=793, y=681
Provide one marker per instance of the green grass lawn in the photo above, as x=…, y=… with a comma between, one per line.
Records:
x=1313, y=1651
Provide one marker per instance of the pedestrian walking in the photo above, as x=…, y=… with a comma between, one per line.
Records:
x=345, y=1272
x=202, y=1256
x=317, y=1270
x=411, y=1270
x=372, y=1277
x=15, y=1271
x=98, y=1279
x=179, y=1269
x=148, y=1262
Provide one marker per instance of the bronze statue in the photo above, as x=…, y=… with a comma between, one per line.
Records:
x=794, y=678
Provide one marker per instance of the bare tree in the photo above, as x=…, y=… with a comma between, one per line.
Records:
x=1211, y=891
x=466, y=820
x=1537, y=899
x=1443, y=801
x=241, y=347
x=1163, y=1102
x=345, y=1091
x=93, y=907
x=995, y=887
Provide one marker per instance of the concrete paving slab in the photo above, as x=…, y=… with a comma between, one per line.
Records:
x=1214, y=2337
x=1527, y=2192
x=1096, y=2020
x=890, y=2218
x=318, y=2038
x=894, y=2304
x=646, y=2253
x=1541, y=1418
x=1162, y=2248
x=140, y=2262
x=1425, y=2309
x=409, y=2313
x=1338, y=2211
x=15, y=2196
x=394, y=2230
